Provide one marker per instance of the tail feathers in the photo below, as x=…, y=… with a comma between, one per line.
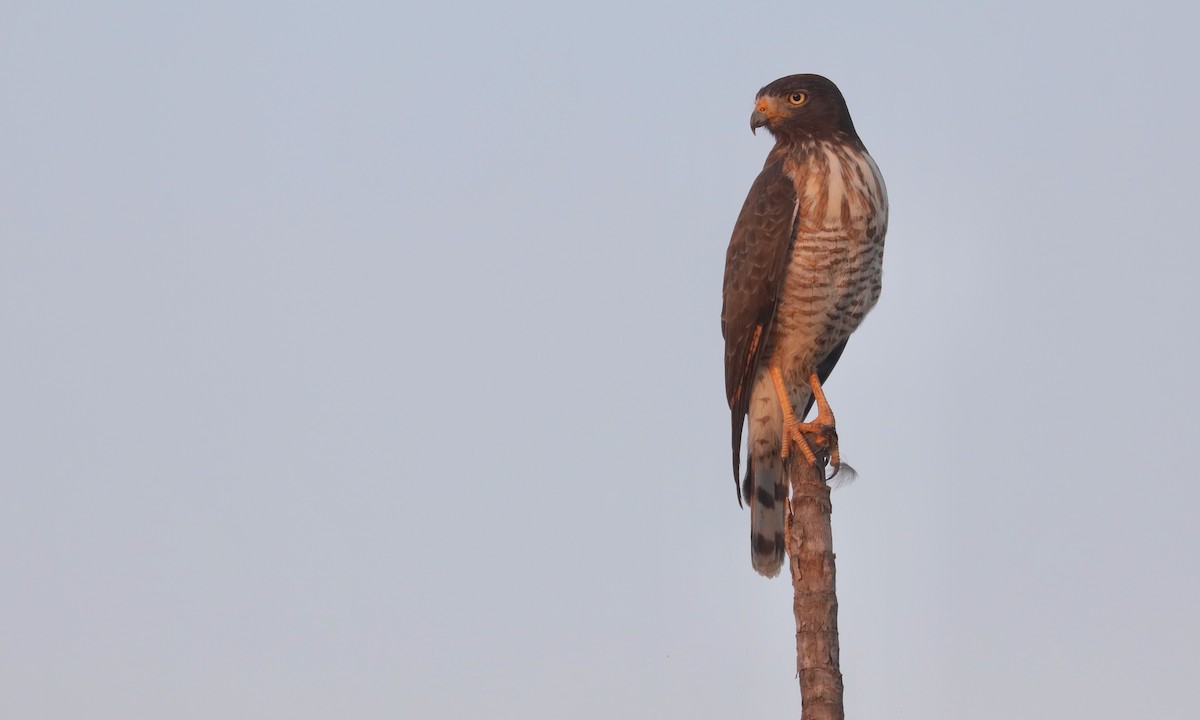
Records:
x=766, y=484
x=767, y=496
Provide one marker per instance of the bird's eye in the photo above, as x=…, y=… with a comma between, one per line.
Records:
x=797, y=98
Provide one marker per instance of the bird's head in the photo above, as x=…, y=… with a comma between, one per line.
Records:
x=801, y=106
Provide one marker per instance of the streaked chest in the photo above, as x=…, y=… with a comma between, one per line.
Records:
x=839, y=190
x=834, y=274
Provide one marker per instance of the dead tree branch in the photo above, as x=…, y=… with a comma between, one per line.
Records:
x=810, y=556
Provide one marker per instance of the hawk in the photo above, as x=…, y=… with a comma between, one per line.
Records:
x=804, y=266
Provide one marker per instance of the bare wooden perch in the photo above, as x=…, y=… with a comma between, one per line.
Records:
x=810, y=556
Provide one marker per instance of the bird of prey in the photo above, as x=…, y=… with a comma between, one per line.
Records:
x=804, y=266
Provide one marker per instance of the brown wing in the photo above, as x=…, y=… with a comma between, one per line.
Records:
x=754, y=270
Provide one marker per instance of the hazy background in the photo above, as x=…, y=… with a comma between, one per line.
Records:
x=365, y=361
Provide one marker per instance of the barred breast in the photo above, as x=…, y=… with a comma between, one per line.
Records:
x=836, y=270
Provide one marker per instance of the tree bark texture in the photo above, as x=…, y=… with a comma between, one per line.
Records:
x=811, y=559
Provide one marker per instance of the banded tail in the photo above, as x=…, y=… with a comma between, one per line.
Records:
x=766, y=484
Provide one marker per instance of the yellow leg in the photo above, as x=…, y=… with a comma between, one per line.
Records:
x=825, y=420
x=824, y=413
x=793, y=429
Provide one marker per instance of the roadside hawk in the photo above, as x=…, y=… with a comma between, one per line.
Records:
x=804, y=267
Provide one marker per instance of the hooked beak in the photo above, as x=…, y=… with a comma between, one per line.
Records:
x=757, y=120
x=764, y=112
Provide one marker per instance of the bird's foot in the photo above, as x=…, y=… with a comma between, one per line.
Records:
x=806, y=436
x=821, y=432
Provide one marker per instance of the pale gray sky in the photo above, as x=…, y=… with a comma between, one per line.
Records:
x=365, y=362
